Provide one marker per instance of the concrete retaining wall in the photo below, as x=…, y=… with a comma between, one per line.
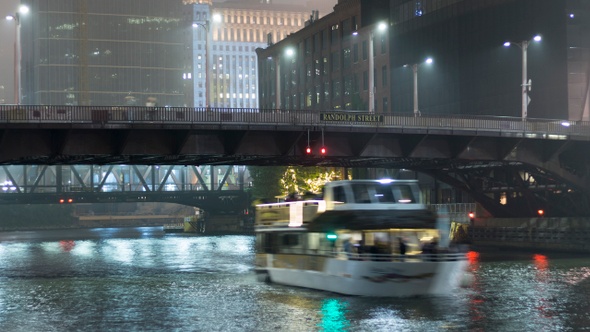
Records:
x=566, y=234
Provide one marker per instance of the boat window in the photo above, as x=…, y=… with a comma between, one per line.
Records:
x=361, y=193
x=339, y=194
x=313, y=241
x=267, y=243
x=384, y=194
x=290, y=239
x=404, y=194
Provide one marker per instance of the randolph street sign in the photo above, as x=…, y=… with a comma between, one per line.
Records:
x=350, y=117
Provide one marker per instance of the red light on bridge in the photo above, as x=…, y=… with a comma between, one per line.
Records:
x=471, y=215
x=308, y=150
x=541, y=213
x=323, y=150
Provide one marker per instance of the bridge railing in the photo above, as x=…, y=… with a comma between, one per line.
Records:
x=556, y=129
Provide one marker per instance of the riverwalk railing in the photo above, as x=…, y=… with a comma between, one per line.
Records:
x=457, y=212
x=443, y=124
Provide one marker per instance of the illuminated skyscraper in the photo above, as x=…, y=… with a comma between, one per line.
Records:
x=108, y=52
x=149, y=52
x=234, y=30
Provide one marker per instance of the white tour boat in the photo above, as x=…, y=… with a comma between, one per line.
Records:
x=350, y=242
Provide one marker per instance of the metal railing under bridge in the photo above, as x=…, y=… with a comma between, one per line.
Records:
x=220, y=186
x=118, y=115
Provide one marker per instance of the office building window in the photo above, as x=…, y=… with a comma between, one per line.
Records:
x=334, y=34
x=348, y=88
x=336, y=88
x=346, y=61
x=335, y=61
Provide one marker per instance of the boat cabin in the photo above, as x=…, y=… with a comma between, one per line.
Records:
x=354, y=219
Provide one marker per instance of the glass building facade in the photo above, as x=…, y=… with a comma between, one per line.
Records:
x=327, y=65
x=235, y=30
x=472, y=72
x=108, y=52
x=475, y=74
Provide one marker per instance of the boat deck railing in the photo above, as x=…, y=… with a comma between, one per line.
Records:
x=434, y=257
x=379, y=257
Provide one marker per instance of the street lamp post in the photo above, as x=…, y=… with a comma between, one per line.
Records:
x=415, y=71
x=16, y=17
x=207, y=53
x=380, y=28
x=526, y=83
x=288, y=54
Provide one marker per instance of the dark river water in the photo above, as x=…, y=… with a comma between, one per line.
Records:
x=140, y=279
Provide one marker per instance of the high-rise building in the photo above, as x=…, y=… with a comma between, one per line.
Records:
x=225, y=37
x=472, y=73
x=108, y=52
x=328, y=64
x=150, y=52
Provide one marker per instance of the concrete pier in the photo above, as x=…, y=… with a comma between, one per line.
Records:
x=564, y=234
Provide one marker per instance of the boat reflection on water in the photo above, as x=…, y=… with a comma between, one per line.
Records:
x=67, y=245
x=333, y=313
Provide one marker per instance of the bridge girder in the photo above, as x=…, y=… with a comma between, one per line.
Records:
x=207, y=187
x=454, y=149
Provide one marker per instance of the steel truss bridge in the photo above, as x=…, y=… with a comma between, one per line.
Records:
x=215, y=188
x=511, y=167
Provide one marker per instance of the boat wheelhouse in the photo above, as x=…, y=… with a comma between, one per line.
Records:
x=365, y=237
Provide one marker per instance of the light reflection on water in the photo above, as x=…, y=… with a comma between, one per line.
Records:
x=144, y=280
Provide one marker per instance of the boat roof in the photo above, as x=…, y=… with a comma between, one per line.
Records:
x=334, y=220
x=383, y=181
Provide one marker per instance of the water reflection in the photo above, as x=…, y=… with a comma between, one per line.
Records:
x=334, y=315
x=476, y=299
x=123, y=280
x=67, y=245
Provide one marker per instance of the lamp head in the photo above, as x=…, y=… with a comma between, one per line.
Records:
x=23, y=10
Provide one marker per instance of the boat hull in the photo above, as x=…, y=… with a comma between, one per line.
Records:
x=368, y=278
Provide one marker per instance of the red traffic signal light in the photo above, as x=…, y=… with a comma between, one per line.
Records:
x=323, y=150
x=308, y=150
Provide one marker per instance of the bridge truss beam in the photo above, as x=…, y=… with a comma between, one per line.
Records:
x=210, y=186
